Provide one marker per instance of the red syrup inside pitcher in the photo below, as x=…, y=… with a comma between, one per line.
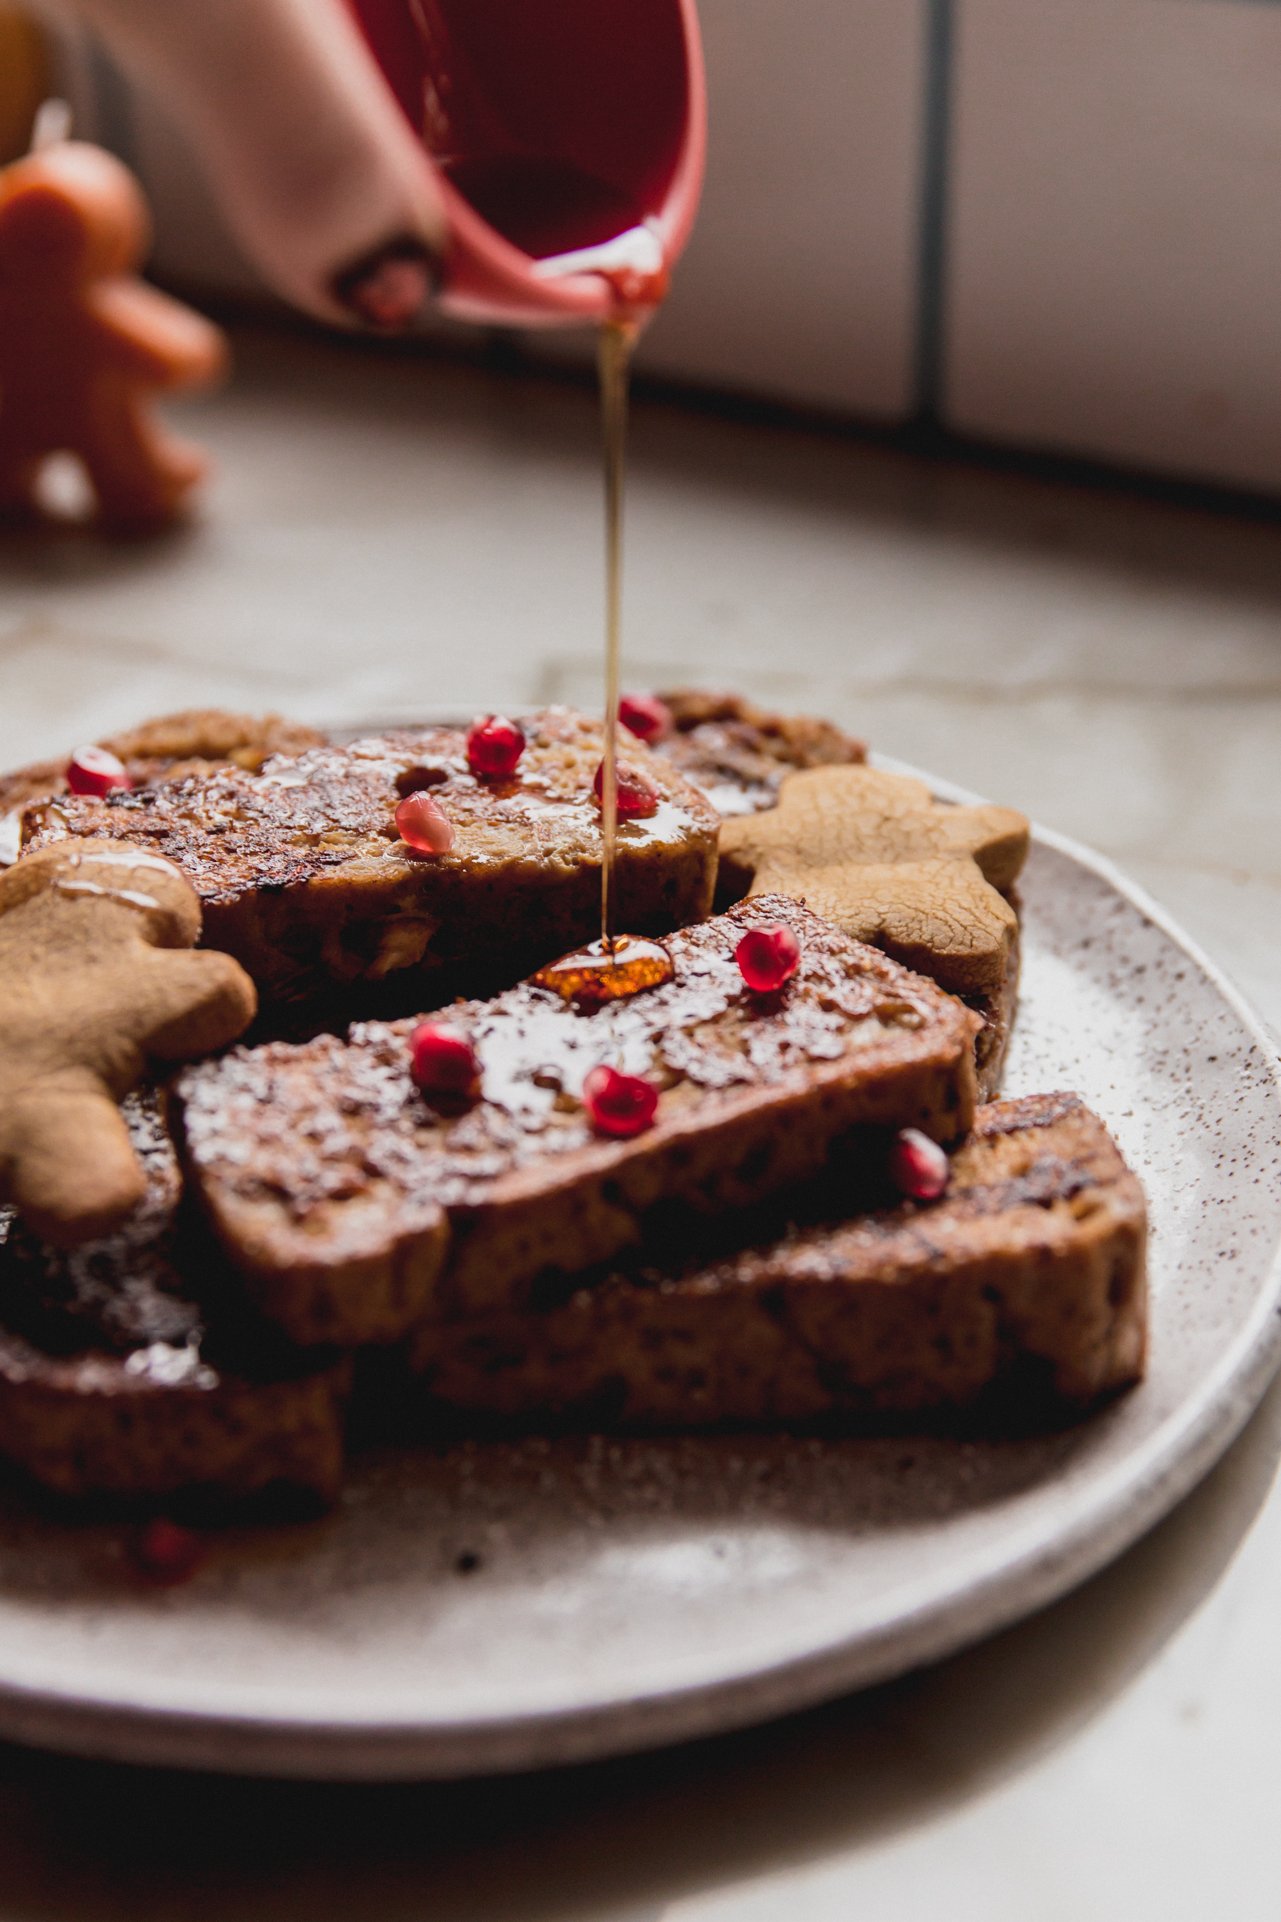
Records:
x=560, y=121
x=543, y=205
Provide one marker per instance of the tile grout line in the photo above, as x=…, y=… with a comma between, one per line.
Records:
x=940, y=28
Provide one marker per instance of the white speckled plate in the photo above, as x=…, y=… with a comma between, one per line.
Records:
x=504, y=1607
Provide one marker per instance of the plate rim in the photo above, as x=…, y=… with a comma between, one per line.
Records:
x=1107, y=1517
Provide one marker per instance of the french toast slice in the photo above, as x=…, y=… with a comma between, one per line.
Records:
x=116, y=1379
x=1018, y=1297
x=171, y=747
x=353, y=1207
x=996, y=1008
x=739, y=754
x=304, y=879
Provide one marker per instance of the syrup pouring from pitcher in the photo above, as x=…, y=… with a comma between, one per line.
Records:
x=526, y=162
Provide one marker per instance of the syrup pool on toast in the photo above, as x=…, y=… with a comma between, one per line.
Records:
x=602, y=972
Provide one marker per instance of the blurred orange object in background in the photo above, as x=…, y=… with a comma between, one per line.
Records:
x=85, y=345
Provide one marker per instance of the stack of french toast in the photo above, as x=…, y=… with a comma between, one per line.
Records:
x=399, y=1190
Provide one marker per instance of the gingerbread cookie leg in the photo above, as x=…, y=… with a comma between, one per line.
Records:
x=140, y=475
x=108, y=1181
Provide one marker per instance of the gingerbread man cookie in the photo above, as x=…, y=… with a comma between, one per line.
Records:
x=91, y=993
x=877, y=855
x=85, y=345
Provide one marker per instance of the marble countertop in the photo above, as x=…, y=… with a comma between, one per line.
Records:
x=391, y=535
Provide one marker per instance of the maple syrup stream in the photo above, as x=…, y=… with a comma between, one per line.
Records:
x=617, y=341
x=618, y=965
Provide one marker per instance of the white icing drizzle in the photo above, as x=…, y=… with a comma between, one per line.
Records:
x=10, y=837
x=129, y=859
x=132, y=862
x=131, y=897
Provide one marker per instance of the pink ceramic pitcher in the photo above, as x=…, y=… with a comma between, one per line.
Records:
x=567, y=139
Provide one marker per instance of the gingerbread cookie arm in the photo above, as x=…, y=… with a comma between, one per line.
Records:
x=161, y=342
x=938, y=917
x=196, y=1004
x=995, y=838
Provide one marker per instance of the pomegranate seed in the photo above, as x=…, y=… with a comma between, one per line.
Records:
x=645, y=716
x=444, y=1062
x=619, y=1104
x=96, y=770
x=167, y=1553
x=918, y=1165
x=494, y=746
x=424, y=825
x=768, y=958
x=637, y=795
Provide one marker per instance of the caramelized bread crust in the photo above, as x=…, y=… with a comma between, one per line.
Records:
x=353, y=1207
x=997, y=1010
x=115, y=1379
x=303, y=877
x=1020, y=1295
x=739, y=754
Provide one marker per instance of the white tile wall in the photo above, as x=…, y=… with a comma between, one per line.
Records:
x=801, y=279
x=1114, y=237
